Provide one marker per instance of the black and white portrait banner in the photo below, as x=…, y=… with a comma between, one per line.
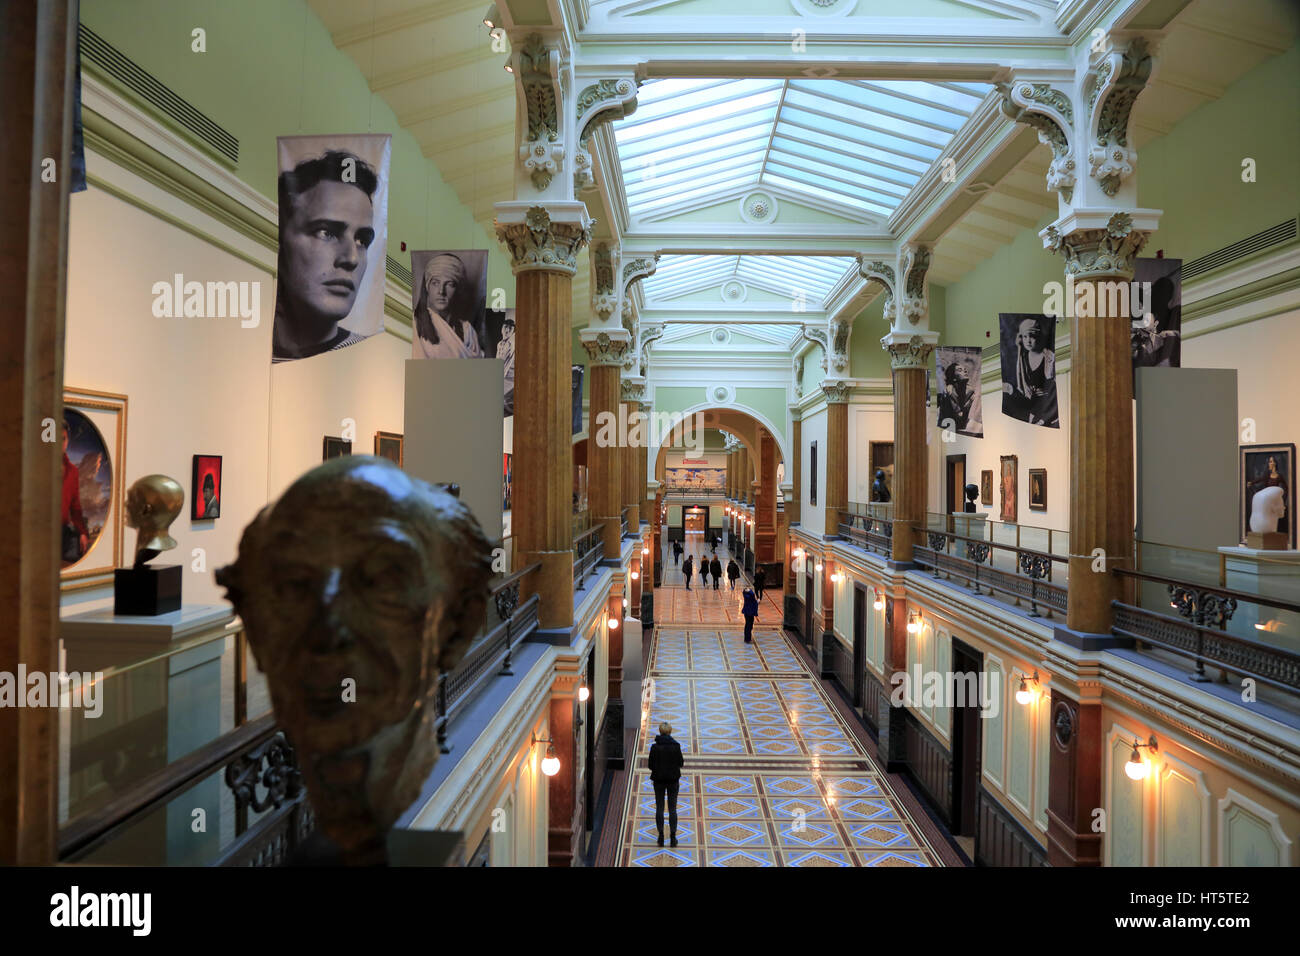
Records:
x=1028, y=344
x=333, y=194
x=957, y=369
x=449, y=301
x=1157, y=306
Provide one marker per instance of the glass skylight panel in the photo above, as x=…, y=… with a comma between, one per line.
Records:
x=797, y=151
x=753, y=106
x=746, y=167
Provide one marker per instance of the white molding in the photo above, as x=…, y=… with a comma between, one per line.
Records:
x=1284, y=844
x=1120, y=732
x=1170, y=764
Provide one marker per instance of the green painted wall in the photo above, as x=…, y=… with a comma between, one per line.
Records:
x=677, y=398
x=769, y=402
x=271, y=69
x=812, y=369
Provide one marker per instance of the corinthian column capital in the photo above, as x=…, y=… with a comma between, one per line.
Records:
x=545, y=237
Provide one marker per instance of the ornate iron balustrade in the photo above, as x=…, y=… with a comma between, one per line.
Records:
x=622, y=522
x=1031, y=581
x=866, y=531
x=1270, y=665
x=588, y=551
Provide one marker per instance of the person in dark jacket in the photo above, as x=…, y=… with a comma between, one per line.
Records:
x=733, y=572
x=715, y=567
x=666, y=775
x=688, y=568
x=760, y=578
x=749, y=609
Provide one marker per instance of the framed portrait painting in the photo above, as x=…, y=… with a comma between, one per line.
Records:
x=390, y=445
x=205, y=488
x=1037, y=489
x=1008, y=511
x=94, y=462
x=986, y=486
x=1265, y=467
x=335, y=448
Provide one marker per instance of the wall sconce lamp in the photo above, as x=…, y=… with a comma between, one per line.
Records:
x=1137, y=768
x=550, y=763
x=584, y=691
x=837, y=576
x=1023, y=694
x=818, y=567
x=798, y=553
x=879, y=603
x=613, y=623
x=636, y=575
x=509, y=68
x=645, y=550
x=913, y=622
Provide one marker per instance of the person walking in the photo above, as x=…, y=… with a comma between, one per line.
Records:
x=688, y=569
x=749, y=610
x=716, y=568
x=666, y=776
x=733, y=572
x=760, y=579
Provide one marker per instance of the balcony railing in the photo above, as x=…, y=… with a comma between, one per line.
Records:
x=588, y=551
x=623, y=521
x=871, y=533
x=1200, y=631
x=973, y=560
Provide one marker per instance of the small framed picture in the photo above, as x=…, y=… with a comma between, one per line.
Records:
x=1037, y=489
x=335, y=448
x=389, y=445
x=1264, y=467
x=986, y=486
x=1009, y=510
x=94, y=464
x=205, y=488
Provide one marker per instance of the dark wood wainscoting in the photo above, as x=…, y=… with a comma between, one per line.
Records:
x=930, y=765
x=874, y=699
x=1000, y=840
x=839, y=665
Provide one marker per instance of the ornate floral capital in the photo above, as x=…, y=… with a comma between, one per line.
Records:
x=837, y=393
x=631, y=391
x=1099, y=253
x=649, y=334
x=605, y=349
x=539, y=244
x=914, y=353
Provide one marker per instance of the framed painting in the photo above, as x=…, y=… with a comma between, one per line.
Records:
x=335, y=448
x=812, y=480
x=880, y=457
x=205, y=488
x=93, y=439
x=1037, y=489
x=1009, y=473
x=390, y=445
x=505, y=480
x=986, y=486
x=1264, y=467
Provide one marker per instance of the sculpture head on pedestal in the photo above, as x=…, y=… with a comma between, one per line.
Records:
x=1267, y=508
x=356, y=589
x=152, y=504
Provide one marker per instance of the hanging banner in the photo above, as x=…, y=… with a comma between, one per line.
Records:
x=577, y=397
x=449, y=302
x=333, y=194
x=957, y=368
x=1028, y=344
x=1157, y=306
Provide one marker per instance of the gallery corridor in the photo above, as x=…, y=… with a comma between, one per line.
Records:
x=775, y=775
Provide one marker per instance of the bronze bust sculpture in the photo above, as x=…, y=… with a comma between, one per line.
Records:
x=356, y=589
x=152, y=504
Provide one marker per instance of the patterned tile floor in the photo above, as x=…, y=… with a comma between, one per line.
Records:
x=773, y=776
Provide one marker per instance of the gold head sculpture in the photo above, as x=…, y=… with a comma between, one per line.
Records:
x=152, y=504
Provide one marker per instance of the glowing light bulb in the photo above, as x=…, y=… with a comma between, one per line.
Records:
x=878, y=604
x=636, y=576
x=1136, y=768
x=1023, y=694
x=613, y=624
x=584, y=692
x=550, y=763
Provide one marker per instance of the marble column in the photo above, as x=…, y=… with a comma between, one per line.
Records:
x=837, y=452
x=765, y=505
x=909, y=359
x=794, y=475
x=604, y=467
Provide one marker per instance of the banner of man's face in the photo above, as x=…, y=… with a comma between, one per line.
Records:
x=957, y=369
x=1028, y=346
x=448, y=302
x=1157, y=310
x=333, y=194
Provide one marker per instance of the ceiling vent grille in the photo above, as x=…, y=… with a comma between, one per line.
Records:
x=139, y=81
x=1282, y=232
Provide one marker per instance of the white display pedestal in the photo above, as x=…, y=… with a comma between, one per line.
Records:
x=1272, y=573
x=156, y=708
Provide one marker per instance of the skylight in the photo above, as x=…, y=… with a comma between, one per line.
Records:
x=856, y=147
x=805, y=280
